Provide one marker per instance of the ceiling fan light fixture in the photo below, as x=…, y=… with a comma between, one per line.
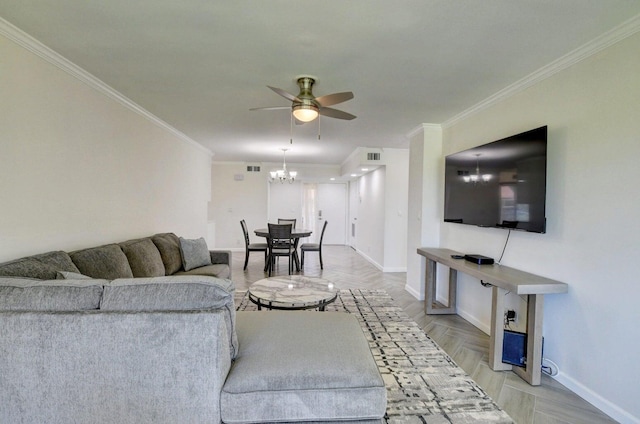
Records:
x=305, y=112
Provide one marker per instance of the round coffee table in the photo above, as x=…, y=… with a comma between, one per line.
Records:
x=292, y=292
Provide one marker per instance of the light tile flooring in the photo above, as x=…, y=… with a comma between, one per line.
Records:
x=549, y=403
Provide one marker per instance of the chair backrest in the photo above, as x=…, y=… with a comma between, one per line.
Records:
x=246, y=233
x=324, y=227
x=291, y=221
x=279, y=232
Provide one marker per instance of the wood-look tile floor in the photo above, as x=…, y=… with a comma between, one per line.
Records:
x=549, y=403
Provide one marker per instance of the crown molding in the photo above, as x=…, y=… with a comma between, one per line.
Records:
x=420, y=128
x=26, y=41
x=609, y=38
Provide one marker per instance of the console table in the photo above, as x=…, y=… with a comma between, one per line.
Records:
x=503, y=280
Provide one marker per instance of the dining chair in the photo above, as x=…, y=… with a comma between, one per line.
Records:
x=291, y=221
x=252, y=247
x=280, y=244
x=313, y=247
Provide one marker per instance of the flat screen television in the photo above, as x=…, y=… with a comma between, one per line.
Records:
x=500, y=184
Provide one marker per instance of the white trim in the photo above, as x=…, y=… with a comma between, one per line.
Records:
x=374, y=263
x=626, y=29
x=422, y=127
x=609, y=408
x=413, y=292
x=26, y=41
x=395, y=269
x=471, y=319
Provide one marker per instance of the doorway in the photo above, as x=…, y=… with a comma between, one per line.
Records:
x=326, y=202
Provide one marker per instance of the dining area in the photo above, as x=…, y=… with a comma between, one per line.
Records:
x=282, y=240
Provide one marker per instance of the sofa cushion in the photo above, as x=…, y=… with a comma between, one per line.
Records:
x=28, y=268
x=296, y=366
x=214, y=270
x=173, y=293
x=168, y=245
x=17, y=294
x=108, y=262
x=58, y=259
x=144, y=258
x=194, y=253
x=66, y=275
x=43, y=266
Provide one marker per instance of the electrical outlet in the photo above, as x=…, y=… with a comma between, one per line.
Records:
x=510, y=316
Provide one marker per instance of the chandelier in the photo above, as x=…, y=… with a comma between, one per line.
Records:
x=477, y=177
x=282, y=175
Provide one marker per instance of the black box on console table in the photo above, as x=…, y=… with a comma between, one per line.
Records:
x=479, y=259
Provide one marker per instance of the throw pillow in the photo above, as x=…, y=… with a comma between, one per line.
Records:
x=195, y=253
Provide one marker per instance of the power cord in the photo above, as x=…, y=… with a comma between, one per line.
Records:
x=505, y=246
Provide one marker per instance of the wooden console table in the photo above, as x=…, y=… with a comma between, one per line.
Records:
x=503, y=280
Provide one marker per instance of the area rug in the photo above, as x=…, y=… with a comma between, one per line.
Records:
x=424, y=385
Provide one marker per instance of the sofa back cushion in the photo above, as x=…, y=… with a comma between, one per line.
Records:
x=168, y=245
x=144, y=258
x=18, y=294
x=174, y=293
x=43, y=266
x=107, y=262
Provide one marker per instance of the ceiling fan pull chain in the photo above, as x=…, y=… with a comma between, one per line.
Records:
x=291, y=130
x=319, y=127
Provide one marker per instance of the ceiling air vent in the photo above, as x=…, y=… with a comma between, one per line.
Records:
x=253, y=168
x=373, y=156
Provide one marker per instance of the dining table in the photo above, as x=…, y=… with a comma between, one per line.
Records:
x=296, y=235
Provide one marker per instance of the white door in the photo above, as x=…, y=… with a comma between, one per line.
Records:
x=354, y=200
x=332, y=207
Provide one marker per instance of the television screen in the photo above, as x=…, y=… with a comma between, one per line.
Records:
x=500, y=184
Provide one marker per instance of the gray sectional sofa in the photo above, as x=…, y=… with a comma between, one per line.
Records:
x=124, y=333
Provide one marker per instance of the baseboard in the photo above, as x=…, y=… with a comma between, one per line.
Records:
x=472, y=319
x=609, y=408
x=413, y=292
x=371, y=261
x=395, y=269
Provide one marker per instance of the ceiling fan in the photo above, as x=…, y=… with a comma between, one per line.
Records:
x=305, y=107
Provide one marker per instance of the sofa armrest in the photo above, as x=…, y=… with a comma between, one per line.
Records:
x=221, y=257
x=140, y=367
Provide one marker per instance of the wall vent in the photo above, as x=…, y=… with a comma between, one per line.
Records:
x=373, y=156
x=253, y=168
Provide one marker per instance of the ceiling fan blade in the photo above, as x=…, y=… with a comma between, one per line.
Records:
x=335, y=113
x=284, y=94
x=334, y=99
x=271, y=108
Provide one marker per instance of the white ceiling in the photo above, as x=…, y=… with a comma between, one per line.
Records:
x=200, y=65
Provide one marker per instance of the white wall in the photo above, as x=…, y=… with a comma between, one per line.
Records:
x=232, y=201
x=424, y=201
x=78, y=168
x=285, y=201
x=382, y=207
x=395, y=224
x=593, y=205
x=371, y=216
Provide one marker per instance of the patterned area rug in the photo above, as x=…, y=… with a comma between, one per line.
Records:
x=424, y=385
